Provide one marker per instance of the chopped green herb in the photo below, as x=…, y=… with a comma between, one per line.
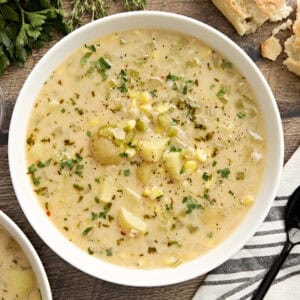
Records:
x=91, y=47
x=191, y=204
x=97, y=180
x=191, y=228
x=109, y=252
x=174, y=243
x=182, y=170
x=123, y=154
x=90, y=252
x=102, y=65
x=209, y=235
x=43, y=191
x=85, y=58
x=88, y=133
x=78, y=187
x=231, y=192
x=224, y=172
x=214, y=163
x=226, y=64
x=221, y=93
x=87, y=230
x=172, y=77
x=124, y=79
x=126, y=172
x=31, y=169
x=97, y=200
x=153, y=93
x=175, y=149
x=206, y=176
x=152, y=250
x=241, y=114
x=185, y=89
x=78, y=170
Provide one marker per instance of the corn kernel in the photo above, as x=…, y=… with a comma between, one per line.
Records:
x=156, y=194
x=146, y=108
x=130, y=152
x=248, y=200
x=173, y=131
x=187, y=153
x=144, y=98
x=154, y=54
x=163, y=108
x=190, y=165
x=130, y=125
x=94, y=122
x=133, y=95
x=201, y=155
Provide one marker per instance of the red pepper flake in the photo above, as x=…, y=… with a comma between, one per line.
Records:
x=48, y=213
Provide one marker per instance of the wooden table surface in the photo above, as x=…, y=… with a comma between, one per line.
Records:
x=70, y=283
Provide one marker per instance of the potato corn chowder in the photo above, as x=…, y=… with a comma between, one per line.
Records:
x=17, y=280
x=146, y=148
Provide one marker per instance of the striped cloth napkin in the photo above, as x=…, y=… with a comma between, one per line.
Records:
x=237, y=278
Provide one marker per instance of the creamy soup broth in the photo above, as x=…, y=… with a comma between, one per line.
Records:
x=17, y=279
x=146, y=148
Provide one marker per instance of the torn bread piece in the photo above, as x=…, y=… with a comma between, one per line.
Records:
x=271, y=48
x=248, y=15
x=292, y=46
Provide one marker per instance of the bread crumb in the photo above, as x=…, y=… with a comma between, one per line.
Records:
x=271, y=48
x=292, y=46
x=281, y=14
x=284, y=26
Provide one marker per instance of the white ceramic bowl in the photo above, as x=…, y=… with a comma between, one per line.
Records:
x=48, y=232
x=10, y=226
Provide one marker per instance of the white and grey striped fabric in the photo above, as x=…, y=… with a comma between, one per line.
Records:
x=237, y=278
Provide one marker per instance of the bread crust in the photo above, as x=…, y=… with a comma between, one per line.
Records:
x=271, y=48
x=247, y=15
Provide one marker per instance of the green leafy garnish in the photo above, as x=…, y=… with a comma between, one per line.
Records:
x=102, y=214
x=174, y=243
x=123, y=77
x=153, y=93
x=175, y=149
x=126, y=172
x=152, y=250
x=109, y=252
x=221, y=93
x=86, y=231
x=224, y=172
x=191, y=204
x=206, y=176
x=241, y=114
x=172, y=77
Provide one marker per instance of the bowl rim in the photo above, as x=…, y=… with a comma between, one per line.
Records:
x=19, y=236
x=157, y=277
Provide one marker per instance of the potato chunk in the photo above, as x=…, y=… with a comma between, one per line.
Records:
x=22, y=281
x=129, y=221
x=144, y=173
x=152, y=149
x=106, y=189
x=105, y=151
x=173, y=164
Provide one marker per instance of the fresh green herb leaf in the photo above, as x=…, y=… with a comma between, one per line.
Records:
x=206, y=176
x=88, y=133
x=90, y=251
x=123, y=154
x=214, y=163
x=241, y=114
x=175, y=149
x=191, y=204
x=209, y=235
x=91, y=47
x=86, y=231
x=97, y=200
x=109, y=252
x=221, y=93
x=126, y=172
x=124, y=79
x=174, y=243
x=224, y=172
x=153, y=93
x=85, y=58
x=172, y=77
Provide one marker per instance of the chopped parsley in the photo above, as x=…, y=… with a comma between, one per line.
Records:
x=126, y=172
x=85, y=58
x=124, y=79
x=241, y=115
x=88, y=133
x=206, y=176
x=153, y=93
x=90, y=251
x=174, y=243
x=123, y=154
x=91, y=47
x=102, y=214
x=175, y=149
x=191, y=204
x=209, y=235
x=109, y=252
x=224, y=172
x=86, y=231
x=172, y=77
x=102, y=65
x=221, y=93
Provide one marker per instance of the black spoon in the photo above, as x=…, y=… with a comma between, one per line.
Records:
x=292, y=228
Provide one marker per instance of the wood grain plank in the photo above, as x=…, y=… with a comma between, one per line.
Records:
x=70, y=283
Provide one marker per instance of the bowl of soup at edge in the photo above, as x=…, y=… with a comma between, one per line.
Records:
x=23, y=274
x=143, y=102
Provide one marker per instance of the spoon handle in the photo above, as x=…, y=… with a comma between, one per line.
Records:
x=271, y=274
